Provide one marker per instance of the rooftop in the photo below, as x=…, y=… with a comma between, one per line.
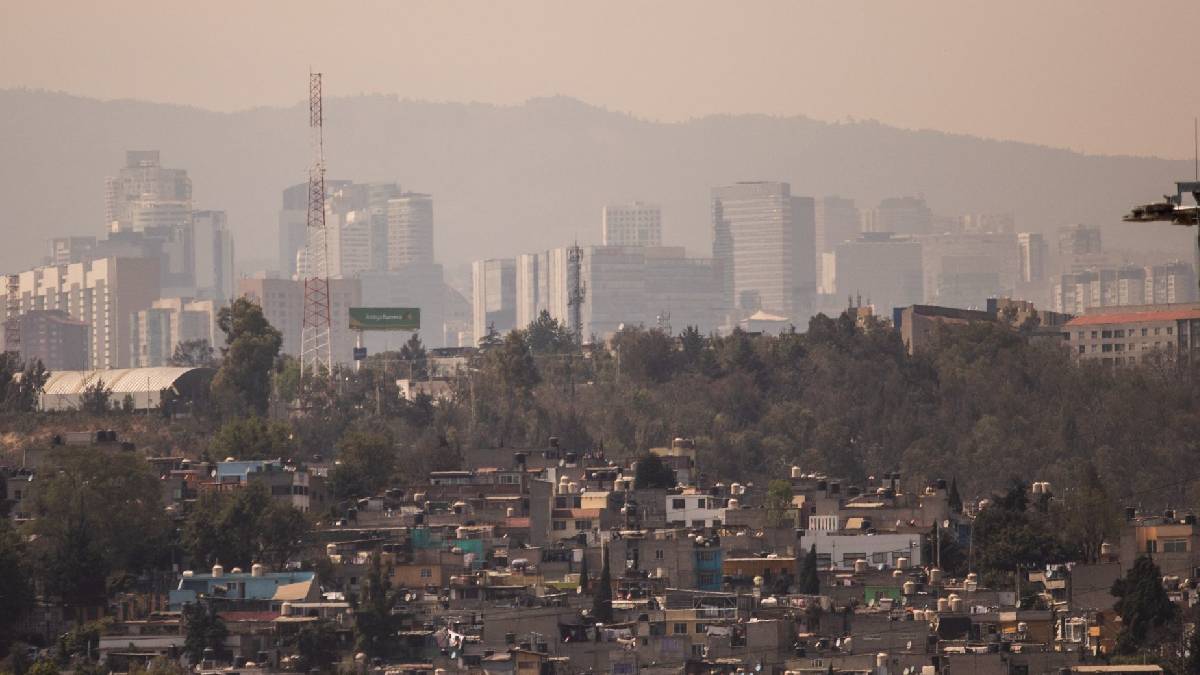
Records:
x=1134, y=317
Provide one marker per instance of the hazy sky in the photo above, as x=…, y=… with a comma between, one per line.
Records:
x=1097, y=76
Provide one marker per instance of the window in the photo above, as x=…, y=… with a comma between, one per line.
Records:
x=583, y=524
x=1174, y=546
x=1152, y=546
x=1106, y=348
x=1106, y=334
x=880, y=558
x=1170, y=330
x=701, y=628
x=698, y=522
x=1143, y=332
x=426, y=573
x=678, y=504
x=679, y=629
x=1156, y=330
x=1082, y=349
x=1093, y=335
x=705, y=556
x=708, y=579
x=658, y=554
x=1119, y=333
x=560, y=524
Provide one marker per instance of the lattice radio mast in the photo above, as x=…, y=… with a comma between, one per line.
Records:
x=316, y=345
x=577, y=291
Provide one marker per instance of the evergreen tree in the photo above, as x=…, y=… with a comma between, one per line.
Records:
x=653, y=472
x=602, y=609
x=953, y=498
x=204, y=630
x=810, y=580
x=1142, y=603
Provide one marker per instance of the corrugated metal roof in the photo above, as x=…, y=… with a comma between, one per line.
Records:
x=120, y=381
x=1134, y=317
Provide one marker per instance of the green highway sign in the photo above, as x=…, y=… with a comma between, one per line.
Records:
x=385, y=318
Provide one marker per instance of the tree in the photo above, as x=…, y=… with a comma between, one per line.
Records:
x=413, y=353
x=193, y=354
x=778, y=501
x=252, y=438
x=243, y=382
x=20, y=394
x=101, y=513
x=96, y=398
x=653, y=472
x=16, y=584
x=205, y=630
x=953, y=500
x=242, y=527
x=546, y=335
x=366, y=463
x=374, y=623
x=317, y=644
x=810, y=579
x=602, y=609
x=1192, y=663
x=1142, y=603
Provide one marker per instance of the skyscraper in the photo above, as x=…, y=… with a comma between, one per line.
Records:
x=494, y=296
x=410, y=229
x=144, y=194
x=213, y=251
x=1033, y=256
x=902, y=215
x=763, y=238
x=837, y=220
x=636, y=224
x=882, y=268
x=1079, y=240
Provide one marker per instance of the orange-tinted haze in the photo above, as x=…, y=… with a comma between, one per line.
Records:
x=1096, y=76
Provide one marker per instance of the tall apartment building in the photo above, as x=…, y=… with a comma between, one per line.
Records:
x=963, y=270
x=901, y=215
x=410, y=229
x=156, y=331
x=50, y=336
x=282, y=302
x=494, y=296
x=104, y=294
x=763, y=238
x=144, y=194
x=543, y=282
x=1076, y=240
x=1173, y=282
x=883, y=268
x=1033, y=253
x=636, y=224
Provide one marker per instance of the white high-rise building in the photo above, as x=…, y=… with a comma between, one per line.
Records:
x=543, y=283
x=144, y=194
x=493, y=296
x=410, y=229
x=636, y=224
x=764, y=240
x=1033, y=256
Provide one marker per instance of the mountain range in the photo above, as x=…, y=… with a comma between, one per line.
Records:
x=512, y=179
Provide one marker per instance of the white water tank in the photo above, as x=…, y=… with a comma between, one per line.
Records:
x=935, y=575
x=896, y=574
x=796, y=473
x=1106, y=549
x=956, y=604
x=943, y=605
x=901, y=563
x=285, y=609
x=236, y=570
x=509, y=512
x=881, y=660
x=910, y=587
x=733, y=504
x=218, y=571
x=330, y=549
x=1046, y=487
x=860, y=566
x=188, y=574
x=1036, y=488
x=256, y=570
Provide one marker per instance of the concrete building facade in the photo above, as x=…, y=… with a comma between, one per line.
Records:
x=636, y=224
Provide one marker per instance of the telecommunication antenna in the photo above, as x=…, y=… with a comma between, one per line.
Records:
x=577, y=292
x=12, y=327
x=316, y=348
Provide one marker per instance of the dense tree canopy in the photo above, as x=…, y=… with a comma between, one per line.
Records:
x=243, y=383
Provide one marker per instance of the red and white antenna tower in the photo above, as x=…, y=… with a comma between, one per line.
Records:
x=316, y=348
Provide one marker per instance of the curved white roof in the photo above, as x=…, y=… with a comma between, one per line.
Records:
x=120, y=380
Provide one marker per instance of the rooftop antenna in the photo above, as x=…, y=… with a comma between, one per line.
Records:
x=577, y=290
